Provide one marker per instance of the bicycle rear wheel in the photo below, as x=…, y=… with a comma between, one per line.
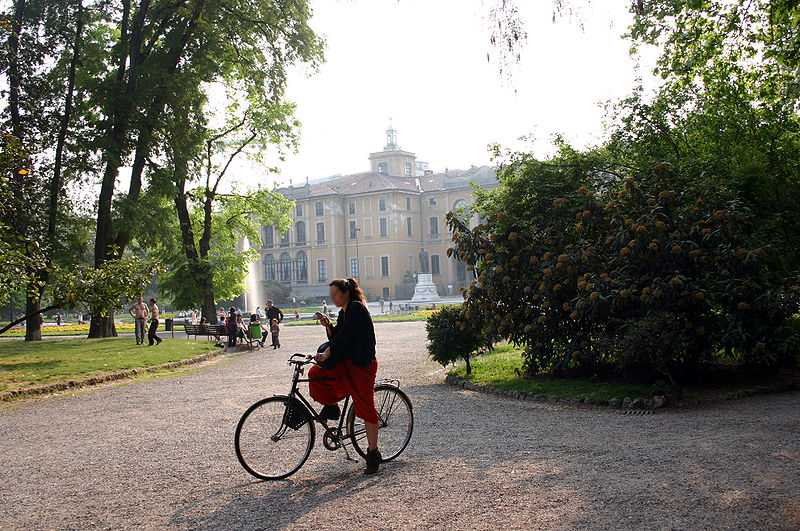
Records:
x=265, y=446
x=395, y=427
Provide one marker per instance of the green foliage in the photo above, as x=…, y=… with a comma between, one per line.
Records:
x=642, y=274
x=237, y=216
x=452, y=337
x=101, y=288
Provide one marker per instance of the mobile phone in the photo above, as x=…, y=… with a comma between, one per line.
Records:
x=318, y=315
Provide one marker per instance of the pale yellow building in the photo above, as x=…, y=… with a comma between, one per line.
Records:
x=371, y=226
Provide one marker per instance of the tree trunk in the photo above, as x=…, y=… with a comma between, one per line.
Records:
x=102, y=326
x=469, y=367
x=13, y=67
x=33, y=327
x=56, y=184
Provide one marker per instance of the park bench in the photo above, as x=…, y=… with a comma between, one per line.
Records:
x=201, y=330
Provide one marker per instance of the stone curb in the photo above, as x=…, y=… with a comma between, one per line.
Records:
x=646, y=403
x=95, y=380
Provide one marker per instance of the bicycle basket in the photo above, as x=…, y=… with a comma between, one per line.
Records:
x=296, y=414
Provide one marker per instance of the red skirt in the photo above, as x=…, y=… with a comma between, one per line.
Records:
x=358, y=382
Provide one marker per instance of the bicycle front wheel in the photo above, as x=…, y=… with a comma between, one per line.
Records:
x=266, y=446
x=395, y=426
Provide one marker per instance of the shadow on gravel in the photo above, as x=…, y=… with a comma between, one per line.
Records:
x=272, y=504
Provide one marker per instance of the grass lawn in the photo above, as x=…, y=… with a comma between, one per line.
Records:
x=58, y=360
x=498, y=369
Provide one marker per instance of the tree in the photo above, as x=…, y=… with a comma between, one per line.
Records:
x=167, y=53
x=43, y=38
x=580, y=258
x=452, y=338
x=102, y=288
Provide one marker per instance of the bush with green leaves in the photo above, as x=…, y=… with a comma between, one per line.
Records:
x=451, y=338
x=588, y=269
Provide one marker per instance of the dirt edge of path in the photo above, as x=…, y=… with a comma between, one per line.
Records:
x=105, y=378
x=629, y=403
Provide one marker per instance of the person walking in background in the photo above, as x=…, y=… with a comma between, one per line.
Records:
x=151, y=334
x=273, y=312
x=325, y=308
x=258, y=313
x=296, y=315
x=230, y=327
x=139, y=312
x=382, y=305
x=58, y=319
x=276, y=331
x=390, y=306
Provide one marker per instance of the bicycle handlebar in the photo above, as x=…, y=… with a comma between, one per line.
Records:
x=306, y=359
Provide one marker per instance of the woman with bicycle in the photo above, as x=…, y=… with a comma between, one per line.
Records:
x=350, y=359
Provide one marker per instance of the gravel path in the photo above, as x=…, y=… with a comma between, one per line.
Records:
x=159, y=454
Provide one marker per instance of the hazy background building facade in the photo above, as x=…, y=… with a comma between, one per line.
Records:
x=371, y=226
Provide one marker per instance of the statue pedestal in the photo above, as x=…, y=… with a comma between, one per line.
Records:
x=425, y=290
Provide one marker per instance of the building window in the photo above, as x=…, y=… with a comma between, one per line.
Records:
x=301, y=267
x=434, y=227
x=300, y=232
x=299, y=210
x=320, y=233
x=432, y=201
x=285, y=239
x=269, y=236
x=408, y=168
x=354, y=267
x=408, y=227
x=408, y=203
x=382, y=204
x=318, y=208
x=461, y=273
x=435, y=264
x=384, y=266
x=383, y=168
x=386, y=293
x=286, y=268
x=352, y=207
x=353, y=230
x=269, y=267
x=384, y=231
x=322, y=270
x=369, y=267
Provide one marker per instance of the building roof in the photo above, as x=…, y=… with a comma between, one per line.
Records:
x=367, y=182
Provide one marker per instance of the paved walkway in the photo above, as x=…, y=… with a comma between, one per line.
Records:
x=159, y=454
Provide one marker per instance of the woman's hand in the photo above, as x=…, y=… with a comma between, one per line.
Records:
x=323, y=320
x=322, y=356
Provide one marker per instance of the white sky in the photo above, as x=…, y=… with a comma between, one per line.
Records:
x=424, y=63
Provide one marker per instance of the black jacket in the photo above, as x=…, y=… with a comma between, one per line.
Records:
x=353, y=337
x=274, y=313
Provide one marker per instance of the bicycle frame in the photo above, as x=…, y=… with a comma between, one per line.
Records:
x=335, y=432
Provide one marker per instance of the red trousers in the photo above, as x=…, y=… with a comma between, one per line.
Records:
x=358, y=382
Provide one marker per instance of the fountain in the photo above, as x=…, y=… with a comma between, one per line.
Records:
x=253, y=292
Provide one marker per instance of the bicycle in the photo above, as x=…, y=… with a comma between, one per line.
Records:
x=275, y=435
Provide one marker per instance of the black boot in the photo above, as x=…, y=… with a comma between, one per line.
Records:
x=331, y=412
x=373, y=461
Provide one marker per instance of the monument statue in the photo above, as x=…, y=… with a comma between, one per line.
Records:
x=423, y=261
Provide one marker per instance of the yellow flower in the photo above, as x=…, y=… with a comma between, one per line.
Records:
x=594, y=296
x=677, y=249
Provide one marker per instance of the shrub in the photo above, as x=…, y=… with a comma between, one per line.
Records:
x=451, y=339
x=632, y=274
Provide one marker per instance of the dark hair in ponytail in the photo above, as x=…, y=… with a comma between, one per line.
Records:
x=351, y=287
